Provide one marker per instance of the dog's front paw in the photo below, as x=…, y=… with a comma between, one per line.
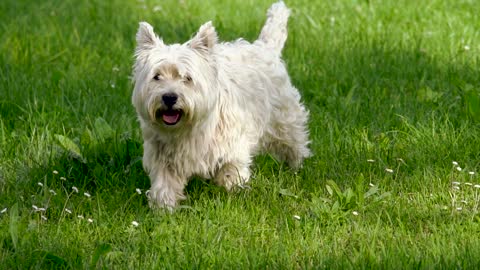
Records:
x=164, y=198
x=230, y=177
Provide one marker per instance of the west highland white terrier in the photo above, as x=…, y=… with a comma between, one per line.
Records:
x=206, y=108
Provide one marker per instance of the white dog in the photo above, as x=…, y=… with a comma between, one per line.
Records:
x=206, y=108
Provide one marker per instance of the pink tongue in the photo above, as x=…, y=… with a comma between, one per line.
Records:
x=170, y=118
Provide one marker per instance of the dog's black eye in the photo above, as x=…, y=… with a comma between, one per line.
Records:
x=188, y=79
x=156, y=77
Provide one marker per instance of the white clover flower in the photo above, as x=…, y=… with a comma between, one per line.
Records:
x=370, y=160
x=87, y=194
x=455, y=163
x=388, y=170
x=459, y=168
x=138, y=191
x=68, y=210
x=297, y=217
x=355, y=213
x=53, y=192
x=74, y=188
x=43, y=217
x=40, y=184
x=471, y=173
x=63, y=178
x=90, y=220
x=55, y=172
x=135, y=224
x=3, y=210
x=476, y=186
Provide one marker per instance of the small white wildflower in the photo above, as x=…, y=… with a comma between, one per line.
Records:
x=55, y=172
x=90, y=220
x=468, y=184
x=63, y=178
x=372, y=185
x=80, y=216
x=34, y=207
x=455, y=183
x=297, y=217
x=135, y=224
x=459, y=168
x=138, y=191
x=355, y=213
x=40, y=184
x=43, y=217
x=466, y=48
x=53, y=192
x=471, y=173
x=87, y=194
x=68, y=210
x=456, y=187
x=388, y=170
x=3, y=210
x=370, y=160
x=74, y=188
x=455, y=163
x=476, y=186
x=459, y=208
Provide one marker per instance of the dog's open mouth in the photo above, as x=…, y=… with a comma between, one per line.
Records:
x=169, y=117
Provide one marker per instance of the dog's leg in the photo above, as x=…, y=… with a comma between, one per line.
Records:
x=233, y=174
x=289, y=141
x=166, y=185
x=167, y=188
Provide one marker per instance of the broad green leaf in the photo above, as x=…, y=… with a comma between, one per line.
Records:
x=69, y=145
x=103, y=129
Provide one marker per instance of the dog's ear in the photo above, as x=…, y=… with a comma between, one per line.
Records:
x=205, y=38
x=146, y=38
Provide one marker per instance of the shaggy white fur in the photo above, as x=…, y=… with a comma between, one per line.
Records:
x=206, y=108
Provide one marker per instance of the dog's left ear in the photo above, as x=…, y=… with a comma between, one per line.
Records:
x=205, y=38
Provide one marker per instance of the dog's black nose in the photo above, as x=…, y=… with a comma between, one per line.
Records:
x=169, y=99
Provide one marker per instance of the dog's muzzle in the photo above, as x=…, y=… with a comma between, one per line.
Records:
x=167, y=113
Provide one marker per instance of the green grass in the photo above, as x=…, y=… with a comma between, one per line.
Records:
x=397, y=82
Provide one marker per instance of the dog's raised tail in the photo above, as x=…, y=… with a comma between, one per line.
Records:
x=274, y=32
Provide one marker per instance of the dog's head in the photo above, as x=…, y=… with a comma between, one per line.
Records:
x=175, y=85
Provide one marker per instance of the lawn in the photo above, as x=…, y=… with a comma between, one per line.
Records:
x=393, y=89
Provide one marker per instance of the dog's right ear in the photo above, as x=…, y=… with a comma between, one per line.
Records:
x=146, y=38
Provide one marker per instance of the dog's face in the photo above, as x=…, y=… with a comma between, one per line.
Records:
x=174, y=84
